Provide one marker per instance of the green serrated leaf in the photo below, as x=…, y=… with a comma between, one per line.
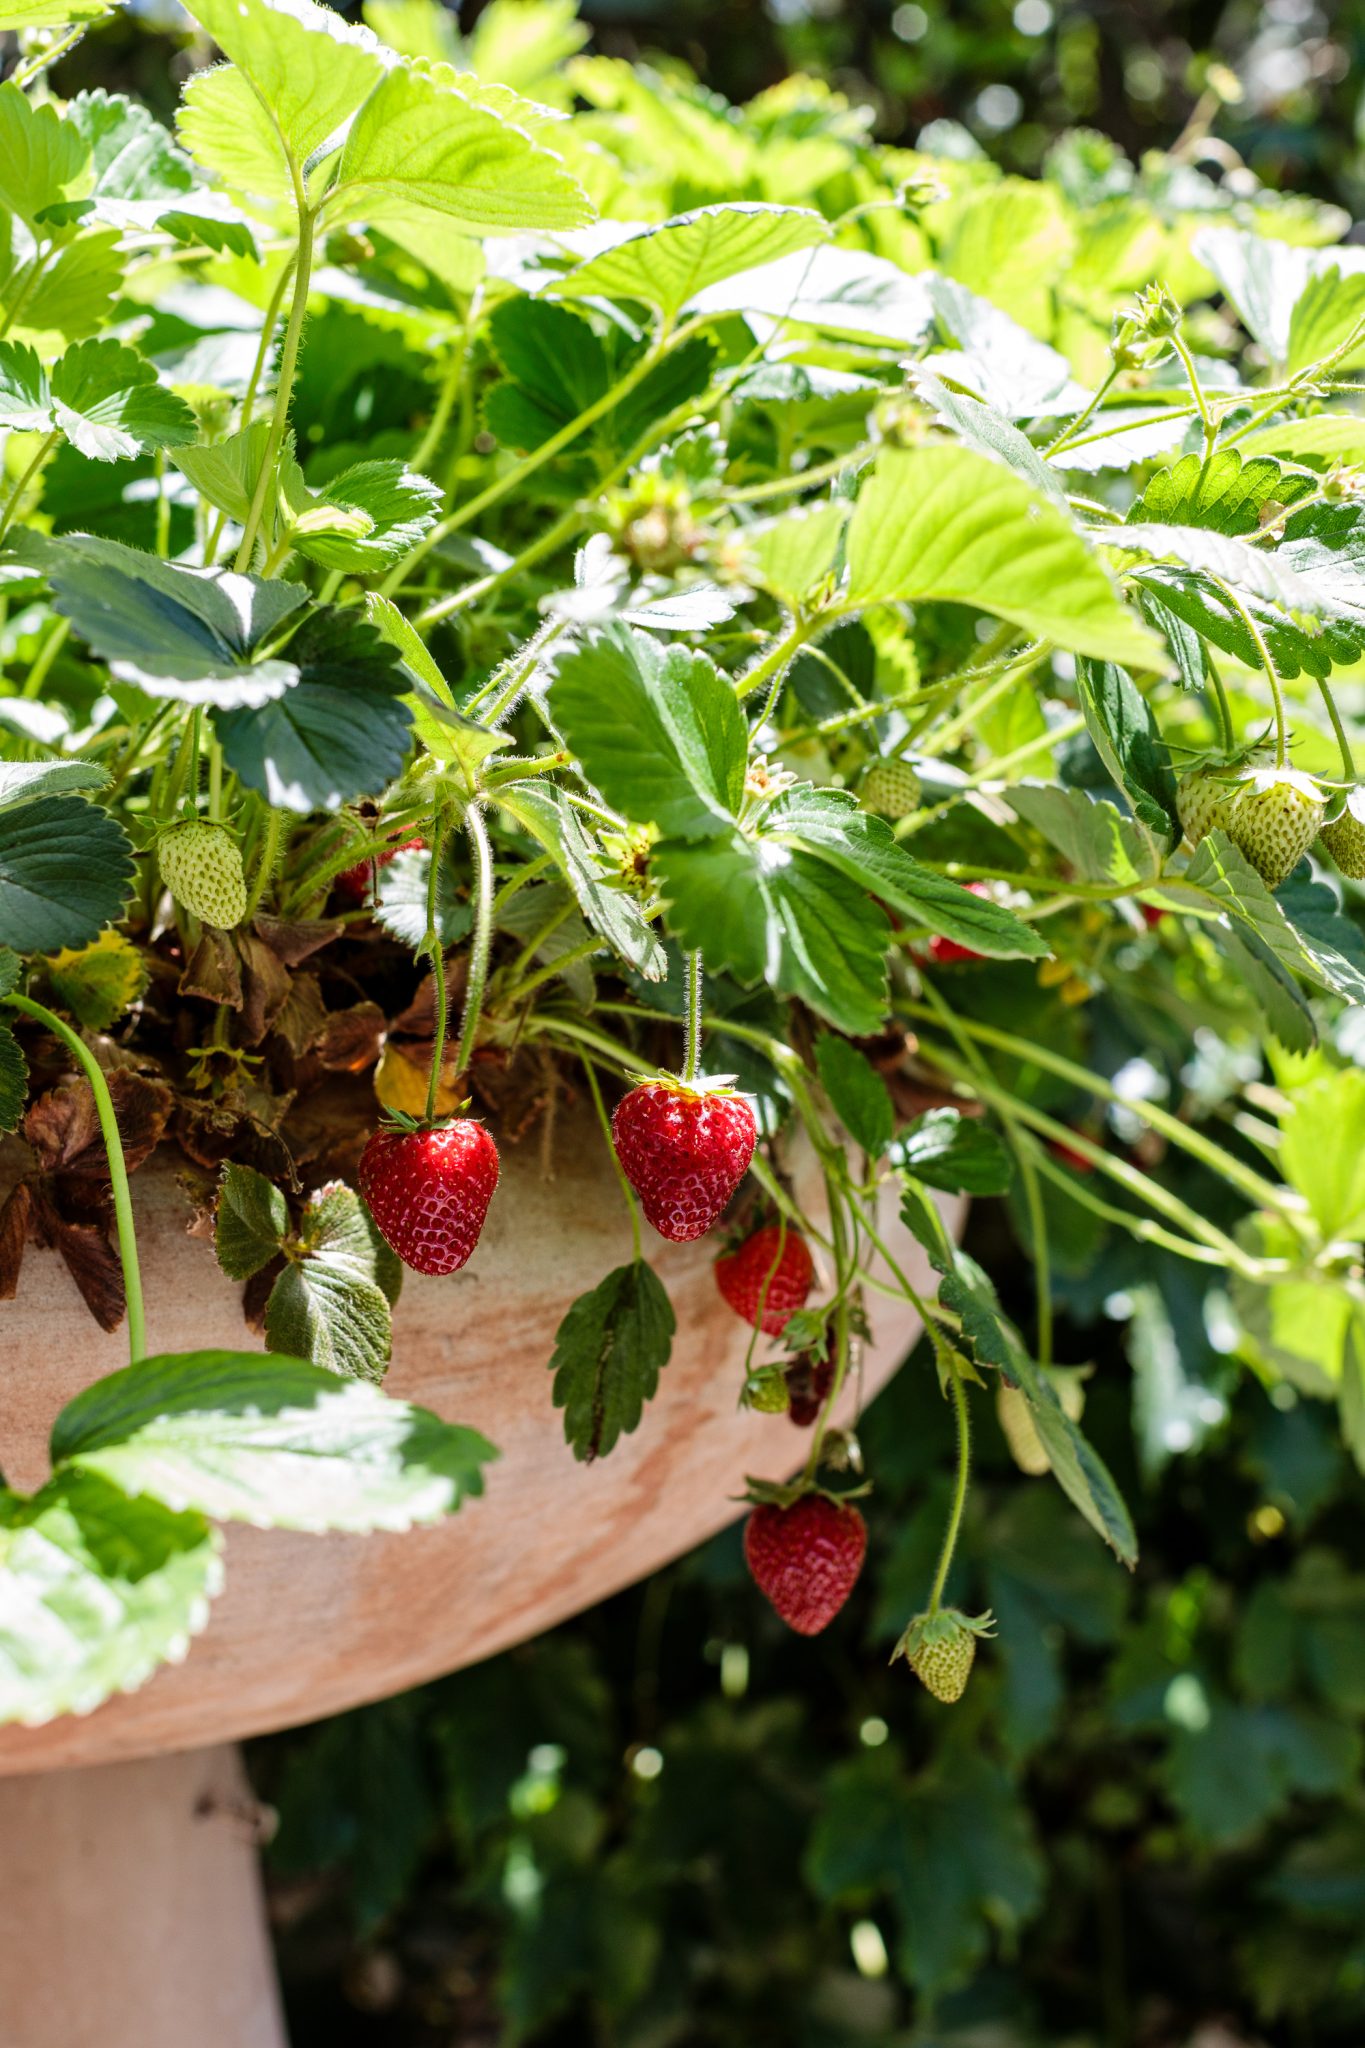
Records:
x=43, y=159
x=794, y=923
x=418, y=143
x=947, y=523
x=328, y=1304
x=248, y=1437
x=550, y=818
x=659, y=730
x=65, y=872
x=1128, y=740
x=609, y=1351
x=251, y=1223
x=857, y=1092
x=1220, y=875
x=339, y=733
x=107, y=401
x=669, y=265
x=1224, y=494
x=1092, y=835
x=956, y=1153
x=792, y=556
x=22, y=780
x=830, y=824
x=170, y=630
x=96, y=1591
x=394, y=505
x=308, y=69
x=224, y=472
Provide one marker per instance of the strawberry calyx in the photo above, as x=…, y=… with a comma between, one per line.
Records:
x=704, y=1085
x=402, y=1124
x=774, y=1493
x=929, y=1630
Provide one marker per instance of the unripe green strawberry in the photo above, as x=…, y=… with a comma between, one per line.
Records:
x=1017, y=1424
x=201, y=865
x=1020, y=1431
x=765, y=1391
x=891, y=789
x=1201, y=798
x=1344, y=838
x=941, y=1649
x=1274, y=817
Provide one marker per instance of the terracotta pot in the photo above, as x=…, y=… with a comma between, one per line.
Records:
x=309, y=1625
x=130, y=1908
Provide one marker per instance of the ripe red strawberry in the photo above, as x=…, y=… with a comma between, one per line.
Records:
x=806, y=1558
x=767, y=1278
x=684, y=1151
x=1069, y=1156
x=809, y=1379
x=357, y=884
x=428, y=1190
x=945, y=951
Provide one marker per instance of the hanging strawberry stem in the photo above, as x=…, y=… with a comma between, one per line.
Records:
x=483, y=936
x=948, y=1368
x=118, y=1171
x=432, y=950
x=692, y=980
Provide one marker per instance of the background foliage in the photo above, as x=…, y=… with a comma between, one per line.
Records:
x=671, y=1824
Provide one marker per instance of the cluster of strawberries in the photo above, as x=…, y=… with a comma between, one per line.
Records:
x=684, y=1151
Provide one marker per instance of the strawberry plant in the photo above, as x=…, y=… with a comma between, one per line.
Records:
x=522, y=581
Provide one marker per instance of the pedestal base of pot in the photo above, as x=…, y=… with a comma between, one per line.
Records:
x=131, y=1911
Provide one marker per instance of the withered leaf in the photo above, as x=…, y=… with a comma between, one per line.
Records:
x=351, y=1039
x=213, y=972
x=89, y=1257
x=15, y=1218
x=63, y=1128
x=303, y=1018
x=265, y=987
x=292, y=943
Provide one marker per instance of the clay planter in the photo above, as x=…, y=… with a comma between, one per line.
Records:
x=309, y=1625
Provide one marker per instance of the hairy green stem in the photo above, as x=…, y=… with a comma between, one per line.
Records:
x=433, y=951
x=964, y=1472
x=284, y=390
x=692, y=979
x=265, y=862
x=46, y=655
x=1348, y=766
x=16, y=496
x=118, y=1170
x=483, y=936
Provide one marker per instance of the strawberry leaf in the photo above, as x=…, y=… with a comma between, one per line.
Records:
x=251, y=1224
x=250, y=1437
x=609, y=1351
x=96, y=1590
x=328, y=1304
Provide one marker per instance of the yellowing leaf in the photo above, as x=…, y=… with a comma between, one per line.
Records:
x=97, y=983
